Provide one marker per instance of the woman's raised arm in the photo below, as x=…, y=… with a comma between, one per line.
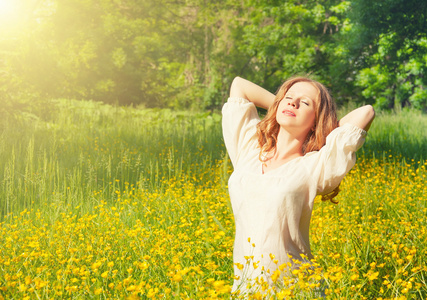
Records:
x=362, y=117
x=257, y=95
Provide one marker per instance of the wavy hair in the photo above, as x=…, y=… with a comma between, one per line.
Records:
x=325, y=121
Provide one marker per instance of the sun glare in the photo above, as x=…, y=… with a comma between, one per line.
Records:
x=10, y=13
x=7, y=7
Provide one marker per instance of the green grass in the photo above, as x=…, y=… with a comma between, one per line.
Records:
x=402, y=134
x=75, y=147
x=81, y=147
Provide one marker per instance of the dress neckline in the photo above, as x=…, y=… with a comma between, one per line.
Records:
x=279, y=167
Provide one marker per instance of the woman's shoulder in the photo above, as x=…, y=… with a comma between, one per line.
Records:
x=345, y=137
x=237, y=104
x=349, y=128
x=237, y=100
x=239, y=124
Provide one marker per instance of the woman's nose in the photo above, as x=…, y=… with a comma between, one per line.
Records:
x=292, y=103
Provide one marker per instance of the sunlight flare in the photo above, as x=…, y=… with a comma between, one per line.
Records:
x=11, y=14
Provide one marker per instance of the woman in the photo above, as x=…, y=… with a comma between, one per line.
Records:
x=299, y=150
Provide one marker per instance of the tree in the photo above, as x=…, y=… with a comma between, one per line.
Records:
x=185, y=53
x=283, y=39
x=115, y=51
x=392, y=51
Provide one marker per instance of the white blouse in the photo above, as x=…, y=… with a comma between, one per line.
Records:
x=273, y=210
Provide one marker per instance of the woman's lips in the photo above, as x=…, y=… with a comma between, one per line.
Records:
x=288, y=113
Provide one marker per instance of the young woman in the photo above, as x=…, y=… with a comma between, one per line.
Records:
x=299, y=150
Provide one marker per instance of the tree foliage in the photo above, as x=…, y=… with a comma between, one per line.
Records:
x=283, y=39
x=184, y=53
x=393, y=50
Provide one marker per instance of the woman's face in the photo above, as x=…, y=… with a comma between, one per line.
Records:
x=297, y=110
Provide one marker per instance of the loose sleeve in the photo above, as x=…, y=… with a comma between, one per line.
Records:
x=239, y=120
x=337, y=157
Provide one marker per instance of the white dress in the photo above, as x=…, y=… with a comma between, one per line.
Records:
x=273, y=210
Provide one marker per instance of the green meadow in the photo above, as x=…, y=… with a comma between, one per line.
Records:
x=106, y=202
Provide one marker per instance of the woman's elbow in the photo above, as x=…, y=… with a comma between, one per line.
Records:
x=369, y=112
x=369, y=115
x=236, y=89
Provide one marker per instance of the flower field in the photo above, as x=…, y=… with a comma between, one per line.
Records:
x=100, y=202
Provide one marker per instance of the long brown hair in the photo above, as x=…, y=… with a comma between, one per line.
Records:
x=326, y=120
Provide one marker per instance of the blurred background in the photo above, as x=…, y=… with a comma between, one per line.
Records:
x=183, y=54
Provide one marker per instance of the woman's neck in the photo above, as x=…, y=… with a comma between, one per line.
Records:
x=288, y=145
